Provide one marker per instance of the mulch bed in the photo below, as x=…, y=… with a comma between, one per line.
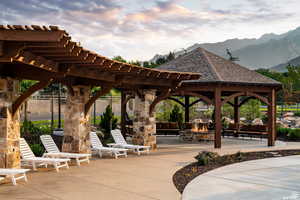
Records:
x=186, y=174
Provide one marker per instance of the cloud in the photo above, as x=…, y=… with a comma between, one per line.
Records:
x=111, y=28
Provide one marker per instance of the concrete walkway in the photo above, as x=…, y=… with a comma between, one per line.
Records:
x=266, y=179
x=143, y=177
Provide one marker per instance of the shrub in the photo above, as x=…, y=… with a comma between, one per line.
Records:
x=32, y=132
x=294, y=134
x=176, y=115
x=108, y=122
x=37, y=149
x=206, y=157
x=283, y=132
x=240, y=155
x=297, y=114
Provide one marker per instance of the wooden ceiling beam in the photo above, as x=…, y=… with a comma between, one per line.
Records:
x=36, y=61
x=48, y=45
x=32, y=36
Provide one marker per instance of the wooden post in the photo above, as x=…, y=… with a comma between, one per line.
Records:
x=123, y=113
x=186, y=108
x=1, y=48
x=272, y=118
x=218, y=124
x=236, y=112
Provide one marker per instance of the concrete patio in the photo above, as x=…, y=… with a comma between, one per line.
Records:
x=272, y=178
x=144, y=177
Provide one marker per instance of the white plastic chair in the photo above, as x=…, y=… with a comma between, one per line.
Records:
x=99, y=148
x=13, y=174
x=121, y=143
x=54, y=152
x=29, y=158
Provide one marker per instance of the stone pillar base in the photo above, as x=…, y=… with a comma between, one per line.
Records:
x=144, y=126
x=9, y=125
x=76, y=123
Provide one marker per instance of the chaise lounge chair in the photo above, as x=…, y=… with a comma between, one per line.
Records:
x=29, y=158
x=13, y=174
x=120, y=142
x=99, y=148
x=54, y=152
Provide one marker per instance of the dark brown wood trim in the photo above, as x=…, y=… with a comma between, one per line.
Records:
x=18, y=102
x=164, y=94
x=98, y=94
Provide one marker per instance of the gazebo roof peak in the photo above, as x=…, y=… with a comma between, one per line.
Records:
x=214, y=68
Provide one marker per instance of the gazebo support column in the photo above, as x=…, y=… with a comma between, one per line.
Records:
x=123, y=112
x=76, y=122
x=218, y=124
x=186, y=108
x=9, y=125
x=144, y=127
x=272, y=118
x=236, y=112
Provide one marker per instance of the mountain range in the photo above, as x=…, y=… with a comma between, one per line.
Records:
x=271, y=50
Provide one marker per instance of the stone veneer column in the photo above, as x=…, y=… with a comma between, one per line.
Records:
x=76, y=124
x=144, y=126
x=9, y=125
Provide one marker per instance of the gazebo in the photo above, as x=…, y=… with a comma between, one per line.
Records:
x=223, y=81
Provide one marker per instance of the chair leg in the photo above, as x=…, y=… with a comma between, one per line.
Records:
x=34, y=166
x=100, y=154
x=13, y=180
x=67, y=165
x=77, y=162
x=25, y=177
x=56, y=167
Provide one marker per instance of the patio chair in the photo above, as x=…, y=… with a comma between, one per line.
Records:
x=13, y=174
x=54, y=152
x=99, y=148
x=29, y=158
x=120, y=142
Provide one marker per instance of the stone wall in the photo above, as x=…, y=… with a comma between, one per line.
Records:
x=144, y=126
x=76, y=124
x=9, y=125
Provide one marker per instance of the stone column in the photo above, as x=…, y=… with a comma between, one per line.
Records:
x=9, y=125
x=76, y=123
x=144, y=126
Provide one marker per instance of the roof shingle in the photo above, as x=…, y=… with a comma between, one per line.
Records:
x=214, y=68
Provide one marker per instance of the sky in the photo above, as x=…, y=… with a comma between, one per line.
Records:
x=139, y=29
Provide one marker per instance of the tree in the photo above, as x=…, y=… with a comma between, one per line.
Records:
x=161, y=61
x=171, y=56
x=176, y=115
x=108, y=122
x=251, y=109
x=120, y=59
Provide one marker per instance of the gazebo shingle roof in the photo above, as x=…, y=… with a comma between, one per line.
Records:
x=215, y=69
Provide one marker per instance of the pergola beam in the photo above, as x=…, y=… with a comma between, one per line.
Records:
x=92, y=100
x=18, y=102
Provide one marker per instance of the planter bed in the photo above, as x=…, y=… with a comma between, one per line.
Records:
x=186, y=174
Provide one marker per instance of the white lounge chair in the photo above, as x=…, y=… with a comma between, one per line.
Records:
x=13, y=174
x=54, y=152
x=29, y=158
x=99, y=148
x=120, y=142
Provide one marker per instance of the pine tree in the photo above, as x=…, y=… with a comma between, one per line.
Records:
x=108, y=122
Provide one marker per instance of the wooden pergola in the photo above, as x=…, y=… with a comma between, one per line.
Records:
x=48, y=55
x=222, y=82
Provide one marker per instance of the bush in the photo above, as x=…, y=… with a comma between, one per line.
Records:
x=206, y=157
x=108, y=122
x=176, y=116
x=32, y=132
x=297, y=114
x=294, y=134
x=283, y=132
x=37, y=149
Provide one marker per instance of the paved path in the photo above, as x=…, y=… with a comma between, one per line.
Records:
x=148, y=177
x=266, y=179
